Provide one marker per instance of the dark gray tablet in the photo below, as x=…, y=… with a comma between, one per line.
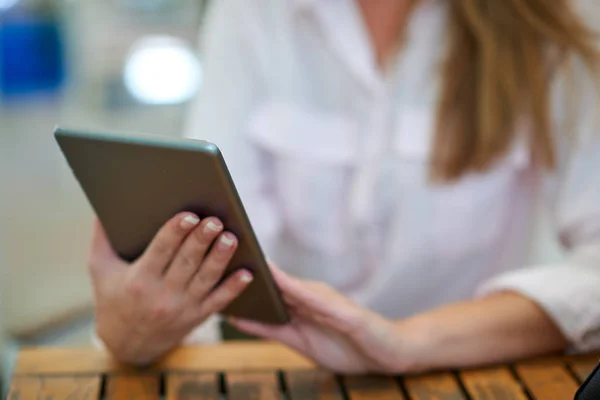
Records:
x=136, y=182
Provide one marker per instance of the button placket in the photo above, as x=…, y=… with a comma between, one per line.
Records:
x=366, y=234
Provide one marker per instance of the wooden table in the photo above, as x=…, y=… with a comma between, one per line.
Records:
x=249, y=370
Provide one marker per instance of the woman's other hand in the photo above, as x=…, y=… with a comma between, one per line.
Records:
x=340, y=335
x=146, y=308
x=335, y=332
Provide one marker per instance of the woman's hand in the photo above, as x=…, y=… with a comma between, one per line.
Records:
x=340, y=335
x=335, y=332
x=146, y=308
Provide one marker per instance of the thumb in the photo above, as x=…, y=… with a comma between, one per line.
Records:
x=294, y=289
x=286, y=334
x=282, y=279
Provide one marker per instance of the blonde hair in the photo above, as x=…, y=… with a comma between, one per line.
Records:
x=497, y=70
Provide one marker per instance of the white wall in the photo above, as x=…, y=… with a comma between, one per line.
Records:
x=44, y=217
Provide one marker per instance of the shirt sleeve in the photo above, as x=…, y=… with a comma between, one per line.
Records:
x=569, y=290
x=231, y=43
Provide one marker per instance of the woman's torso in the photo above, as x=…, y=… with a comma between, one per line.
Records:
x=348, y=148
x=332, y=162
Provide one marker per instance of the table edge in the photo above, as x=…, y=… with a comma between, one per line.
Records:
x=227, y=356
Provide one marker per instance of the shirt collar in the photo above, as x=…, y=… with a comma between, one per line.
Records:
x=304, y=5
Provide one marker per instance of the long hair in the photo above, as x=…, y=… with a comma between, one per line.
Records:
x=501, y=61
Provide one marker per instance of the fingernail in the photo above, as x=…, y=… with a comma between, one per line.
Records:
x=212, y=227
x=226, y=241
x=189, y=221
x=246, y=277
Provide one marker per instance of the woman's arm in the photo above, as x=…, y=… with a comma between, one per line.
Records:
x=502, y=327
x=340, y=335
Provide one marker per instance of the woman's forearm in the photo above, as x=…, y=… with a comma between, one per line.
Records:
x=504, y=327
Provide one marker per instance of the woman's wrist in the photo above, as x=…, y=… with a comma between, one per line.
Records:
x=419, y=338
x=395, y=346
x=496, y=329
x=121, y=346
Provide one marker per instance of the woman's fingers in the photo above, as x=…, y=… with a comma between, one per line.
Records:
x=286, y=334
x=166, y=244
x=189, y=258
x=212, y=268
x=270, y=332
x=318, y=302
x=305, y=294
x=224, y=294
x=284, y=281
x=294, y=290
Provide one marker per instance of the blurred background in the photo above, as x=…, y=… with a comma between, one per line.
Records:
x=118, y=65
x=113, y=65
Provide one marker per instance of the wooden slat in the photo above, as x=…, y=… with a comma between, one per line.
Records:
x=371, y=387
x=22, y=388
x=492, y=384
x=129, y=387
x=232, y=356
x=583, y=366
x=192, y=386
x=252, y=386
x=439, y=386
x=55, y=388
x=547, y=380
x=313, y=385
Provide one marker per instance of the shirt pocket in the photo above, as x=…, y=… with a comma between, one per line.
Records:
x=313, y=156
x=466, y=217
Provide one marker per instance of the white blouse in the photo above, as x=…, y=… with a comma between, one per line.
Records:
x=330, y=157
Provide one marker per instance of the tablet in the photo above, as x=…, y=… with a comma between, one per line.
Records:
x=136, y=182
